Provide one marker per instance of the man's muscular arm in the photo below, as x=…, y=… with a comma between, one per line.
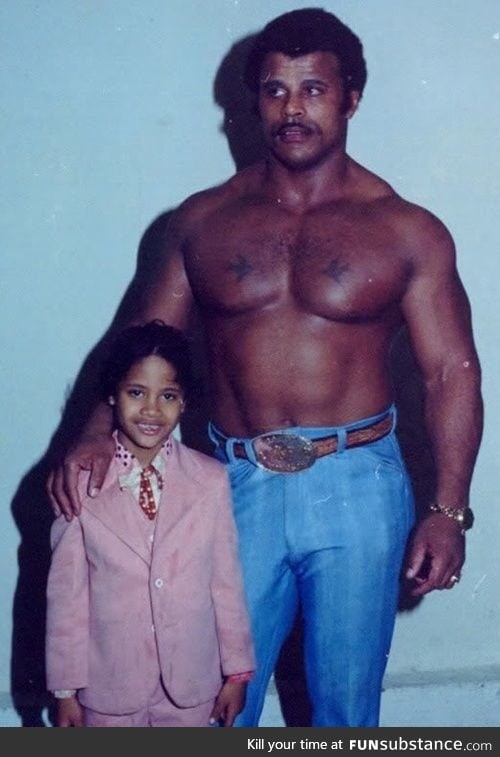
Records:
x=162, y=293
x=437, y=313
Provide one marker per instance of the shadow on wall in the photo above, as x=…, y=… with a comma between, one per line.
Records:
x=33, y=516
x=31, y=508
x=241, y=121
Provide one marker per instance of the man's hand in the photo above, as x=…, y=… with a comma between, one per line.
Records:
x=229, y=703
x=69, y=713
x=92, y=453
x=436, y=556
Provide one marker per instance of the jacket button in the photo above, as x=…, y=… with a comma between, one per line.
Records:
x=159, y=583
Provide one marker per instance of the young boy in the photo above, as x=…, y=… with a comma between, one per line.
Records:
x=146, y=620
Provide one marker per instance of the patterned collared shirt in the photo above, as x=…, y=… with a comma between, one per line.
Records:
x=129, y=476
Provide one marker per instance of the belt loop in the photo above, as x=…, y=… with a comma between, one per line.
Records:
x=250, y=451
x=229, y=449
x=215, y=436
x=342, y=438
x=221, y=442
x=226, y=445
x=393, y=411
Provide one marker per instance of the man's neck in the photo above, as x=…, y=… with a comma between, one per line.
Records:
x=302, y=189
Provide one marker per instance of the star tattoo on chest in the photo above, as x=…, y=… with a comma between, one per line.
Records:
x=241, y=267
x=336, y=269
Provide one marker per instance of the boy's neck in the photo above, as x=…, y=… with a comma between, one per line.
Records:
x=143, y=459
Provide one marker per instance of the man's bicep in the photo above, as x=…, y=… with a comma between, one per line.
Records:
x=160, y=288
x=438, y=317
x=167, y=293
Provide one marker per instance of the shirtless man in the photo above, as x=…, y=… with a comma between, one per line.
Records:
x=303, y=269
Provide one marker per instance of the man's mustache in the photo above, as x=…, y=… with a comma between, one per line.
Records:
x=297, y=125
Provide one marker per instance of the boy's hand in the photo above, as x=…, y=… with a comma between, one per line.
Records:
x=69, y=713
x=229, y=703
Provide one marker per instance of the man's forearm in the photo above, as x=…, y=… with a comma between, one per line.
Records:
x=454, y=420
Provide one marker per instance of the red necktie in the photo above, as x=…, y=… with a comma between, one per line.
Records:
x=146, y=496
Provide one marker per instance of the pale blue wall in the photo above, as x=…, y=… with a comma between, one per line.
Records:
x=108, y=119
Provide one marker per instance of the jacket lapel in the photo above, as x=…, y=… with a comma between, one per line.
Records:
x=116, y=510
x=180, y=496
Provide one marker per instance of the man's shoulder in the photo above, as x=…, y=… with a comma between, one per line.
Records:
x=374, y=190
x=408, y=220
x=417, y=233
x=420, y=237
x=420, y=227
x=203, y=203
x=200, y=205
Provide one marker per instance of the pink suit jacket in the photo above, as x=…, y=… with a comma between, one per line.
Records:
x=120, y=613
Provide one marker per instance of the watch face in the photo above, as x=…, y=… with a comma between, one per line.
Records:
x=468, y=518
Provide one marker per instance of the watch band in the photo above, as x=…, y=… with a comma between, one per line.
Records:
x=462, y=515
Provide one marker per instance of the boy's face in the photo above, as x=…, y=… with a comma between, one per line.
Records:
x=148, y=404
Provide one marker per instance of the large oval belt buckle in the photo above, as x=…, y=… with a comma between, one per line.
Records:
x=284, y=453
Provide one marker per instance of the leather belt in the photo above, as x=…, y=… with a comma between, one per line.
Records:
x=289, y=453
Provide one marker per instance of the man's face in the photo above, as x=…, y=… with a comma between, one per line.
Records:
x=303, y=109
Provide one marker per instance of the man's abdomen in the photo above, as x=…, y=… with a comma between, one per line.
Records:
x=299, y=371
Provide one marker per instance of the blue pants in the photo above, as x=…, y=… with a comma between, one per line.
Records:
x=330, y=538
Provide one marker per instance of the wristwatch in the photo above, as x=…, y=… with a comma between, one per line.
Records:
x=462, y=515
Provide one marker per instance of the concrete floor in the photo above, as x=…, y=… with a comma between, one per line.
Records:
x=465, y=703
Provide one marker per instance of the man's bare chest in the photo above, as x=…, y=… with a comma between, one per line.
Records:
x=329, y=264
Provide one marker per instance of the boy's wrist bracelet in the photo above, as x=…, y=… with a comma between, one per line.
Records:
x=240, y=677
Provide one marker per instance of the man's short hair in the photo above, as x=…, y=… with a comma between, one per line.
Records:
x=305, y=31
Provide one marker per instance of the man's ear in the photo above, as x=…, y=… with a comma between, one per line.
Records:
x=352, y=103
